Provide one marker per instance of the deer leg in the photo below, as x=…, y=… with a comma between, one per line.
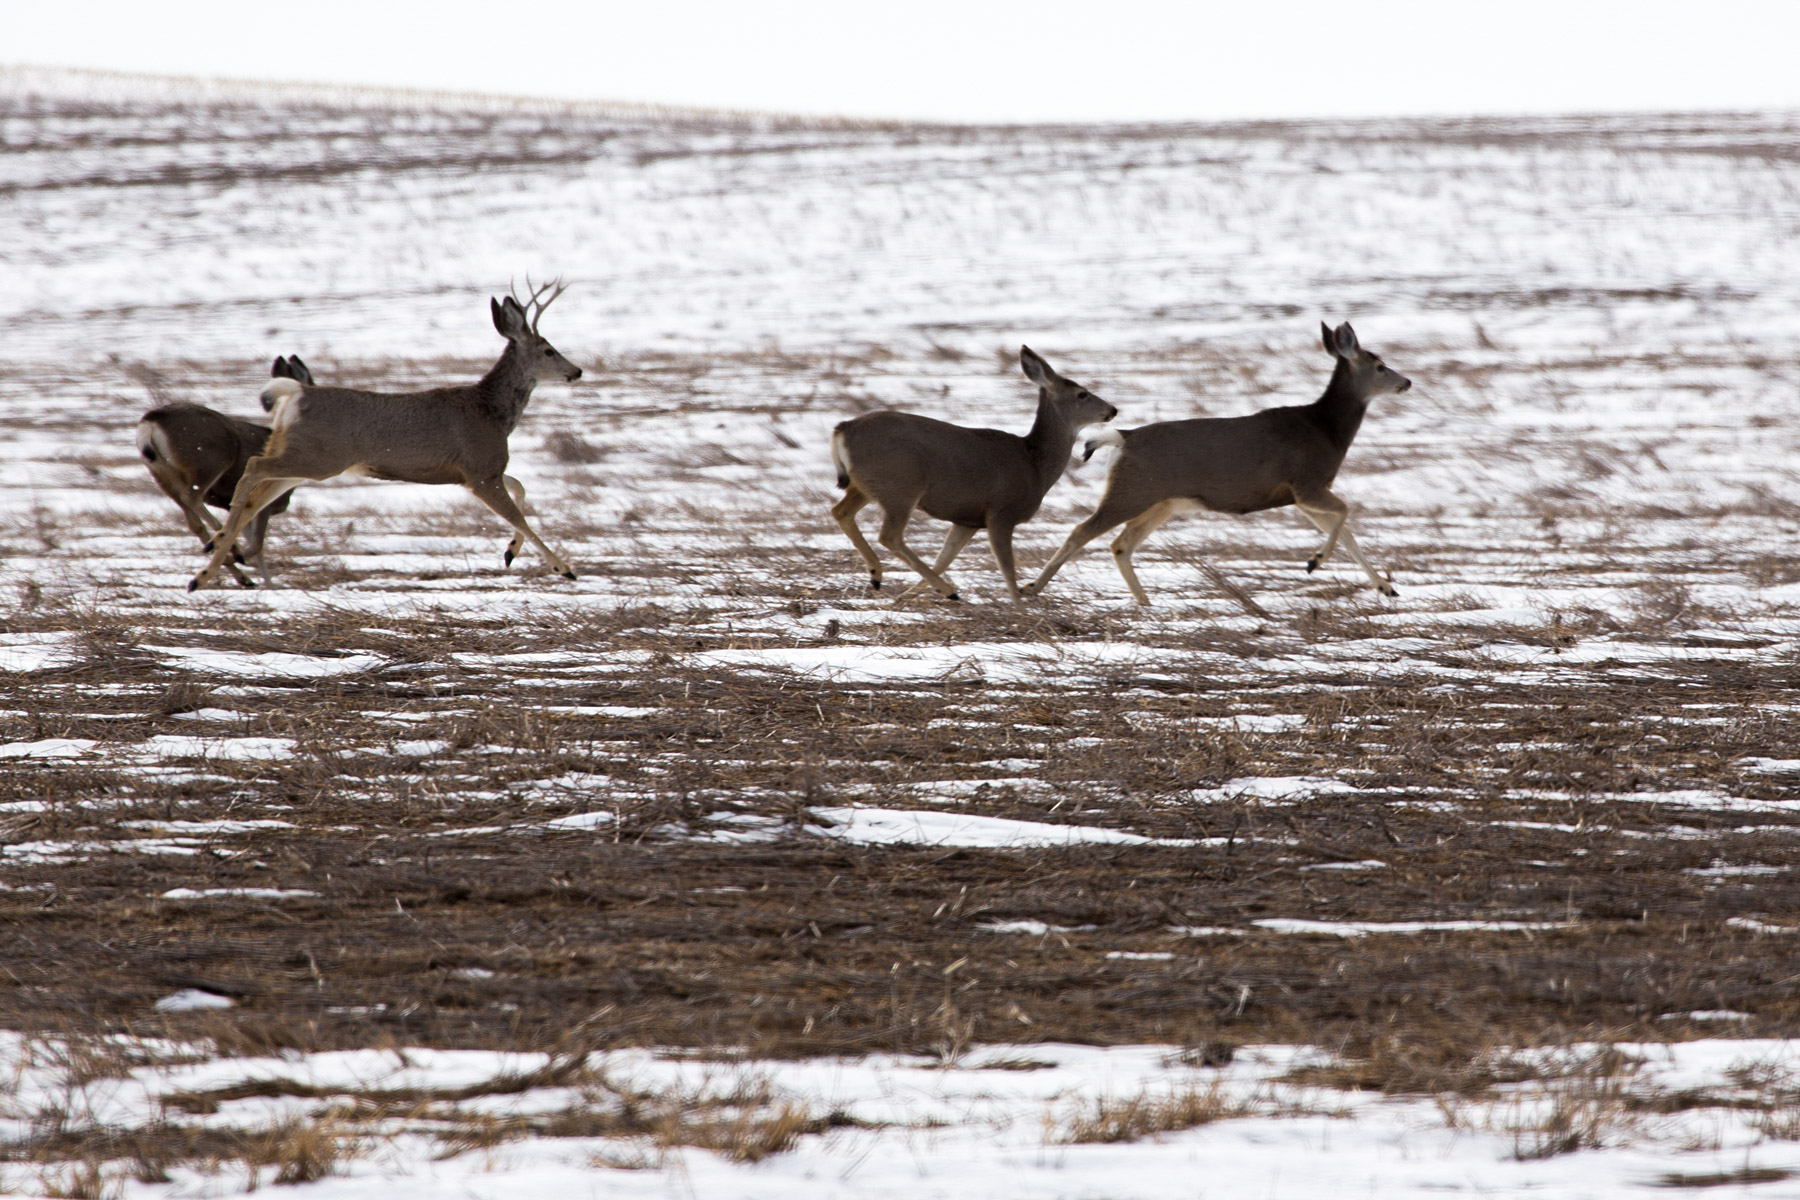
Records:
x=259, y=532
x=1135, y=531
x=1332, y=516
x=954, y=541
x=845, y=511
x=1375, y=577
x=493, y=493
x=893, y=536
x=199, y=521
x=1000, y=541
x=255, y=492
x=1097, y=523
x=516, y=490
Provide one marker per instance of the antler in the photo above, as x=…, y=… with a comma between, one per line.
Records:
x=534, y=308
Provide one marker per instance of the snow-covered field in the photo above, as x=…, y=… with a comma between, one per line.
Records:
x=1349, y=895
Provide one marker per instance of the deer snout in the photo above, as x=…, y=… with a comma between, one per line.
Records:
x=1112, y=410
x=575, y=373
x=1405, y=385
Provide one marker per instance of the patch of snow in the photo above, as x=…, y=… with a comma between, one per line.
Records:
x=192, y=1000
x=1347, y=929
x=886, y=827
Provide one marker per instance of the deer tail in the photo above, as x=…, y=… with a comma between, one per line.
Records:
x=839, y=458
x=277, y=398
x=1103, y=437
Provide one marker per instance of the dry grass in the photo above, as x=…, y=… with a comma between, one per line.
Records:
x=736, y=1116
x=708, y=909
x=1134, y=1118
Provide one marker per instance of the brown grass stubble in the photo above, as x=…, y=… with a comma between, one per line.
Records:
x=633, y=937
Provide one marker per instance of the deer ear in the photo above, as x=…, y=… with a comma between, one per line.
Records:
x=509, y=318
x=1325, y=336
x=1035, y=368
x=299, y=370
x=278, y=369
x=1346, y=340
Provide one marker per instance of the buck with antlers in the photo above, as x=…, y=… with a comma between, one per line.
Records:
x=1269, y=459
x=453, y=435
x=197, y=456
x=973, y=478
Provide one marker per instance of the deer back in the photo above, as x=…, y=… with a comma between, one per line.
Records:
x=1228, y=464
x=445, y=435
x=955, y=473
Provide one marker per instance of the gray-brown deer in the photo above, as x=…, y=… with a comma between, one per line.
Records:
x=1269, y=459
x=973, y=478
x=448, y=435
x=197, y=455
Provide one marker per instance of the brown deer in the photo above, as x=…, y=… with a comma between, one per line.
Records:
x=448, y=435
x=197, y=456
x=973, y=478
x=1269, y=459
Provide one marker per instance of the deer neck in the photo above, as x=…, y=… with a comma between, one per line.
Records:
x=1340, y=410
x=506, y=389
x=1049, y=442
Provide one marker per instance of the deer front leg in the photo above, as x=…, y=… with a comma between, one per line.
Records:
x=1329, y=513
x=516, y=490
x=1332, y=516
x=493, y=493
x=1000, y=541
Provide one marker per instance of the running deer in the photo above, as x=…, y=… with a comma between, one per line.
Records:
x=1268, y=459
x=197, y=456
x=445, y=435
x=973, y=478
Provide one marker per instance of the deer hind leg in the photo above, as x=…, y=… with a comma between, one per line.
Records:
x=1332, y=516
x=893, y=536
x=199, y=520
x=494, y=494
x=255, y=491
x=844, y=511
x=259, y=533
x=1131, y=537
x=192, y=507
x=1097, y=523
x=954, y=541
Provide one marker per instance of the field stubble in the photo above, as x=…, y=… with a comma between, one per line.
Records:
x=409, y=799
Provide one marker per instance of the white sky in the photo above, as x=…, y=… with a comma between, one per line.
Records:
x=968, y=60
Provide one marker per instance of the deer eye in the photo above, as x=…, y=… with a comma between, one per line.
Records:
x=549, y=353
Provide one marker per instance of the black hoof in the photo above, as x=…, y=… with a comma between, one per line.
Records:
x=1390, y=593
x=507, y=558
x=570, y=575
x=193, y=585
x=237, y=556
x=1312, y=564
x=875, y=583
x=249, y=583
x=953, y=596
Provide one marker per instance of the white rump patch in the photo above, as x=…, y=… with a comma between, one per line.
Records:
x=278, y=398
